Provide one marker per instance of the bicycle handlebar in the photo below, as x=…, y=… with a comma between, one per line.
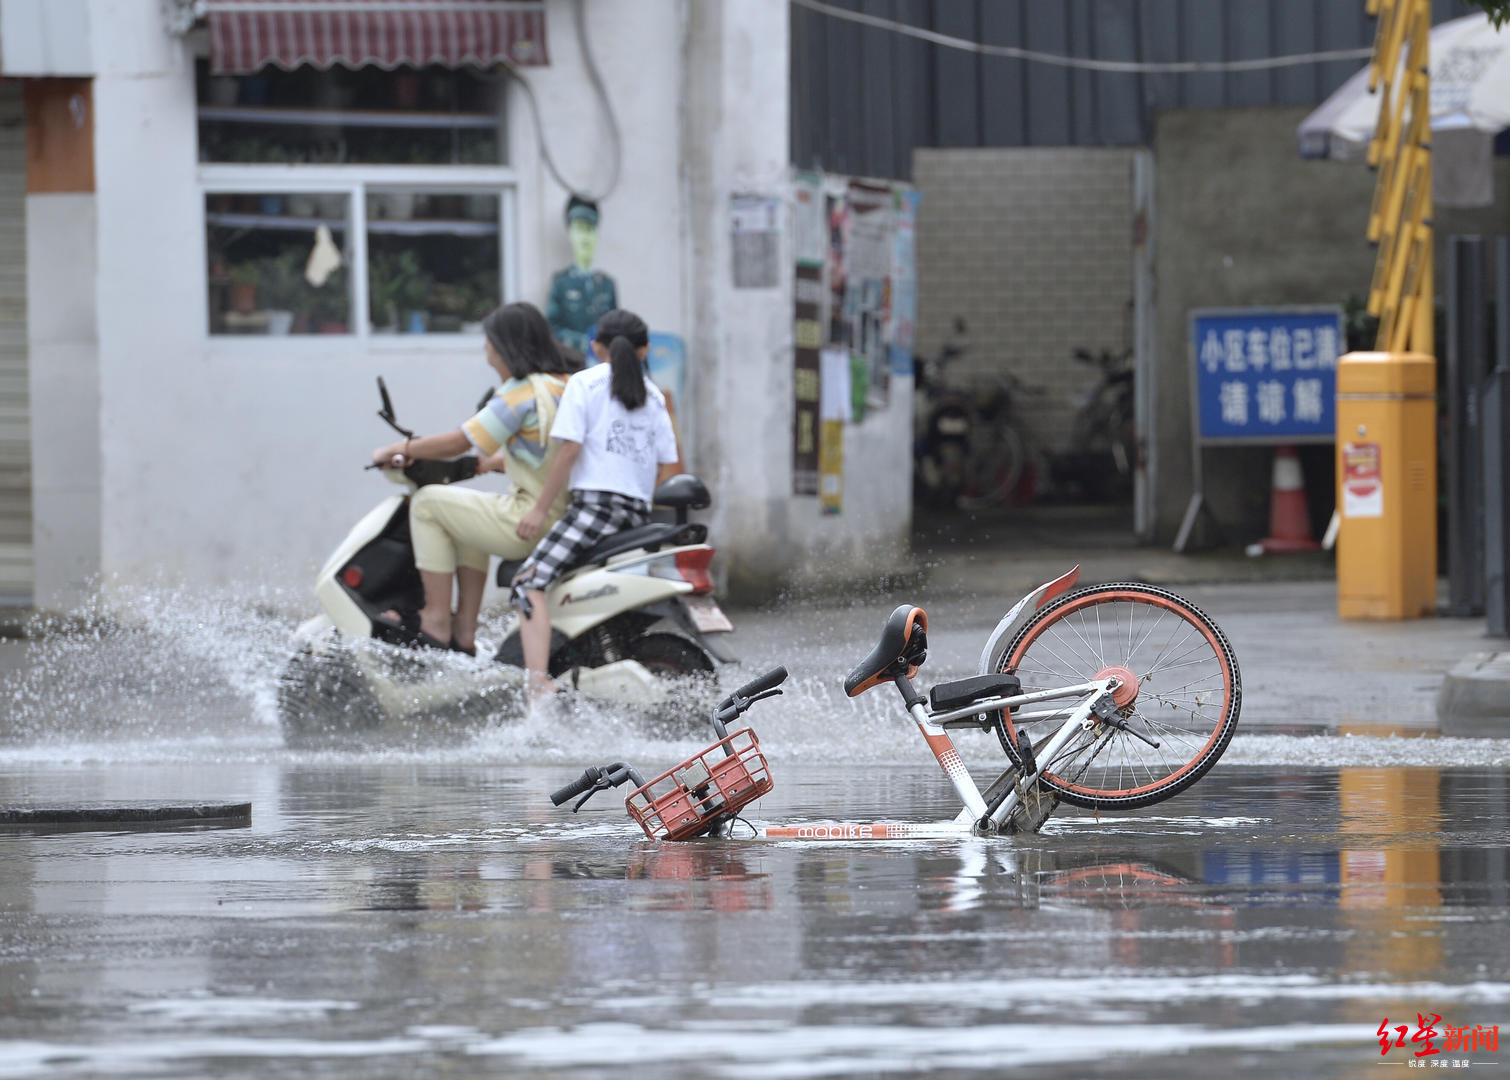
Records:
x=729, y=708
x=595, y=779
x=586, y=782
x=759, y=685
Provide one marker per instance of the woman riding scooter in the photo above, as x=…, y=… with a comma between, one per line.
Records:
x=456, y=529
x=615, y=446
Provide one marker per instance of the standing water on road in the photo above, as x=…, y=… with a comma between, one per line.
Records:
x=419, y=908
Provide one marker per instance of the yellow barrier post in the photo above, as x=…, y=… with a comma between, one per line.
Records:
x=1386, y=485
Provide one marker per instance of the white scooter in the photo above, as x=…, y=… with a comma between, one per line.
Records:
x=636, y=611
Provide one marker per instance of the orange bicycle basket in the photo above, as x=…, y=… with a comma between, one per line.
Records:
x=711, y=785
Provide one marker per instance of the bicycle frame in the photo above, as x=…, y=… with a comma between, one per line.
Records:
x=983, y=813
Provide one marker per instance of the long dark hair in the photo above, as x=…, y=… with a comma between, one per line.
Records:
x=624, y=332
x=522, y=337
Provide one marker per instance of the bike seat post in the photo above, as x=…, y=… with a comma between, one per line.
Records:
x=909, y=692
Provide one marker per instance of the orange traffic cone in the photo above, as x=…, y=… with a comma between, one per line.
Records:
x=1289, y=521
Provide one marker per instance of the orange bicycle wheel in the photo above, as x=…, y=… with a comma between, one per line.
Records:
x=1181, y=690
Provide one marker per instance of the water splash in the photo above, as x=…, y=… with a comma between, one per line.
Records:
x=180, y=675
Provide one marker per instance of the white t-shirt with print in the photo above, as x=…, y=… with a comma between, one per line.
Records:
x=621, y=450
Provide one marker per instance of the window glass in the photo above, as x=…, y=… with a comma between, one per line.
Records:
x=278, y=263
x=409, y=116
x=432, y=260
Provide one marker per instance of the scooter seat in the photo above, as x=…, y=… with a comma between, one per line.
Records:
x=657, y=534
x=652, y=537
x=903, y=646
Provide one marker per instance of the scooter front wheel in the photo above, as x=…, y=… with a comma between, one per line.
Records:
x=1180, y=690
x=323, y=697
x=671, y=656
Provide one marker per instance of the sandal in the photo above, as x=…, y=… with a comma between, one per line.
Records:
x=457, y=648
x=406, y=631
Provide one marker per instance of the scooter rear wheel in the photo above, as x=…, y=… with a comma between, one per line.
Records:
x=669, y=655
x=1184, y=694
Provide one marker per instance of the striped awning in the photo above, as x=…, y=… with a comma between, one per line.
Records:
x=248, y=34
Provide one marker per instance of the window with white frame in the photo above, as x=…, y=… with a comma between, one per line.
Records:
x=354, y=202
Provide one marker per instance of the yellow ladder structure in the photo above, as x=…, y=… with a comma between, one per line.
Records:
x=1401, y=294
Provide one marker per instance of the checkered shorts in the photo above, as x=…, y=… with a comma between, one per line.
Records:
x=590, y=517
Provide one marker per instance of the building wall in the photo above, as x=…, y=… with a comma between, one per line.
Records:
x=1033, y=249
x=239, y=460
x=1244, y=222
x=735, y=144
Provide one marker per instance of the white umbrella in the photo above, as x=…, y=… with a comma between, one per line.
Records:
x=1470, y=91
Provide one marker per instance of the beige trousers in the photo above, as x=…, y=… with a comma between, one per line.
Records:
x=453, y=526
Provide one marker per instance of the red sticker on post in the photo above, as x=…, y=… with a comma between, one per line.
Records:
x=1362, y=481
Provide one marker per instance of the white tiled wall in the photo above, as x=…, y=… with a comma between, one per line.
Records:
x=1033, y=247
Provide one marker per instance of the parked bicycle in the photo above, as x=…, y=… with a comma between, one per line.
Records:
x=1107, y=698
x=1102, y=451
x=968, y=449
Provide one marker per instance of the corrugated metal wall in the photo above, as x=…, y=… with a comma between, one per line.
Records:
x=863, y=97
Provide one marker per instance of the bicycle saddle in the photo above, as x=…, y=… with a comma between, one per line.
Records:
x=903, y=646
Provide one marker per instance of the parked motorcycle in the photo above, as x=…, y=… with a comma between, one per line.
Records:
x=636, y=610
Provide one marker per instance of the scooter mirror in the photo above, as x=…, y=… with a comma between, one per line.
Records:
x=386, y=412
x=482, y=402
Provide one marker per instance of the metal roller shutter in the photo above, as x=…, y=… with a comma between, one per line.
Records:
x=15, y=422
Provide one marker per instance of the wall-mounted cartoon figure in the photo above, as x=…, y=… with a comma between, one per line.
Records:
x=580, y=295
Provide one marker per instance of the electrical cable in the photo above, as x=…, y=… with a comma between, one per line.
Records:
x=594, y=76
x=1131, y=67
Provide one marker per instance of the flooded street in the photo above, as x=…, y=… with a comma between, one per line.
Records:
x=421, y=909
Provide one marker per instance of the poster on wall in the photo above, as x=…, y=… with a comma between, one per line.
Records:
x=667, y=361
x=810, y=252
x=869, y=251
x=901, y=335
x=835, y=410
x=755, y=240
x=809, y=238
x=808, y=339
x=836, y=218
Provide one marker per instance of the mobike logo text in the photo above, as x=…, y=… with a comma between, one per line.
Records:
x=591, y=594
x=837, y=832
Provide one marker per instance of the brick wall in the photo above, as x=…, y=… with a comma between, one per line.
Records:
x=1033, y=248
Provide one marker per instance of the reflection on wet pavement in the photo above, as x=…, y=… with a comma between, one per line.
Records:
x=395, y=919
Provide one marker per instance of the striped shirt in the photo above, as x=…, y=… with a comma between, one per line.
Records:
x=509, y=420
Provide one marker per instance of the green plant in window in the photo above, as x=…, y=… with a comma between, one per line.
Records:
x=283, y=287
x=328, y=304
x=396, y=282
x=246, y=273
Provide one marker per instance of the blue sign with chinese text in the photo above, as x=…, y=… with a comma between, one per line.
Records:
x=1266, y=374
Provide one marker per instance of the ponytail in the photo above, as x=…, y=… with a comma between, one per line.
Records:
x=627, y=382
x=624, y=332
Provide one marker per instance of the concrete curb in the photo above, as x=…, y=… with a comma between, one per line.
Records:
x=1475, y=696
x=126, y=813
